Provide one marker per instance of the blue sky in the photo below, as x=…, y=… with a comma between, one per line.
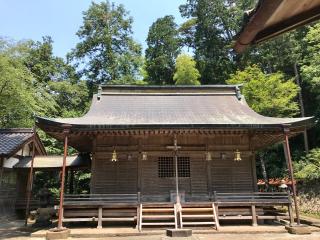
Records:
x=60, y=19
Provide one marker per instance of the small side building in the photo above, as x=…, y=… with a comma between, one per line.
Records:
x=15, y=144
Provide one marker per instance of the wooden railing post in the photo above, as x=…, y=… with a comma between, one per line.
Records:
x=254, y=215
x=66, y=133
x=100, y=217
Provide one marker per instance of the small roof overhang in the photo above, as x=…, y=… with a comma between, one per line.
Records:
x=273, y=17
x=13, y=139
x=52, y=162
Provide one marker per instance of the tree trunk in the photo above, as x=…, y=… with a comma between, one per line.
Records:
x=298, y=82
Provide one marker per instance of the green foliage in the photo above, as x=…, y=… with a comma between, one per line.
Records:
x=44, y=65
x=217, y=21
x=311, y=70
x=163, y=48
x=71, y=98
x=279, y=54
x=308, y=167
x=34, y=82
x=267, y=94
x=107, y=50
x=17, y=97
x=187, y=32
x=186, y=72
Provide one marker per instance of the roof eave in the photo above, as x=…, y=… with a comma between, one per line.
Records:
x=254, y=33
x=41, y=122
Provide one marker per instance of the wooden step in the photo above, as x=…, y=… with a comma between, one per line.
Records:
x=157, y=224
x=235, y=217
x=145, y=210
x=198, y=216
x=199, y=223
x=118, y=219
x=79, y=219
x=155, y=217
x=196, y=209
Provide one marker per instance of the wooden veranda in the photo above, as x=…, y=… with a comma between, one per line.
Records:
x=212, y=209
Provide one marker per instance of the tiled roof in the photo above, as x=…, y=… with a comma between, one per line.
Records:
x=130, y=107
x=11, y=140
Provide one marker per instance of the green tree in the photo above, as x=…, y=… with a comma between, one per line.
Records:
x=72, y=98
x=308, y=167
x=310, y=69
x=214, y=25
x=278, y=54
x=310, y=75
x=267, y=94
x=186, y=72
x=187, y=32
x=107, y=50
x=44, y=65
x=163, y=48
x=17, y=97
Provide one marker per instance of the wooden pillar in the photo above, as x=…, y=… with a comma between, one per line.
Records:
x=93, y=165
x=209, y=179
x=290, y=168
x=30, y=178
x=253, y=162
x=65, y=132
x=139, y=166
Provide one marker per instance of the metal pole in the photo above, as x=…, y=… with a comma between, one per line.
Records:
x=65, y=132
x=30, y=178
x=290, y=168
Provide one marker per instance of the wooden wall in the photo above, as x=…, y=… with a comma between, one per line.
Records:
x=132, y=174
x=8, y=192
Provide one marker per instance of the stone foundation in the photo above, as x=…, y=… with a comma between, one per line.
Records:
x=179, y=232
x=298, y=229
x=57, y=234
